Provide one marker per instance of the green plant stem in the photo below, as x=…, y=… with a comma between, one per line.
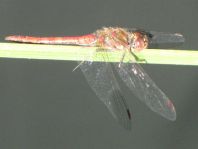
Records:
x=79, y=53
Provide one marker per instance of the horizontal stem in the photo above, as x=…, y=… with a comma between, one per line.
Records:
x=79, y=53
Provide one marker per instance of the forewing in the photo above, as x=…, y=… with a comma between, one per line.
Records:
x=102, y=80
x=145, y=89
x=162, y=37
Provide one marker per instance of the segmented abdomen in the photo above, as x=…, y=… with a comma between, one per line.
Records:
x=87, y=40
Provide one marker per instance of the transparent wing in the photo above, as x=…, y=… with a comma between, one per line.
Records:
x=146, y=90
x=165, y=40
x=162, y=38
x=101, y=79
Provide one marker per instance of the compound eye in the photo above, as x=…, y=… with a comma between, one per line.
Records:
x=140, y=42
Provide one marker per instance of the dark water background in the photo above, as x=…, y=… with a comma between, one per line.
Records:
x=44, y=105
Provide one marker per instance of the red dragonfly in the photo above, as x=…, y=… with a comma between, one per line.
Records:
x=100, y=75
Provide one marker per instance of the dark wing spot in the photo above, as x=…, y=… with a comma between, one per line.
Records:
x=129, y=113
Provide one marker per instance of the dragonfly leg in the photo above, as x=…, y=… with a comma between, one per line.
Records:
x=122, y=58
x=137, y=59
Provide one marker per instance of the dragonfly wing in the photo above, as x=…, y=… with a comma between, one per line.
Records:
x=102, y=80
x=146, y=90
x=161, y=37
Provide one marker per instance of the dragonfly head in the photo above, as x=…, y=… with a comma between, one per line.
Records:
x=139, y=40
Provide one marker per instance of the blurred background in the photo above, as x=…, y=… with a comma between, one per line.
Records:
x=43, y=104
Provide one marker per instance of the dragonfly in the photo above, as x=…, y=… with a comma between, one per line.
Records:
x=101, y=75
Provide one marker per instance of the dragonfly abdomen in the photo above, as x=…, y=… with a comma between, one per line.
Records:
x=86, y=40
